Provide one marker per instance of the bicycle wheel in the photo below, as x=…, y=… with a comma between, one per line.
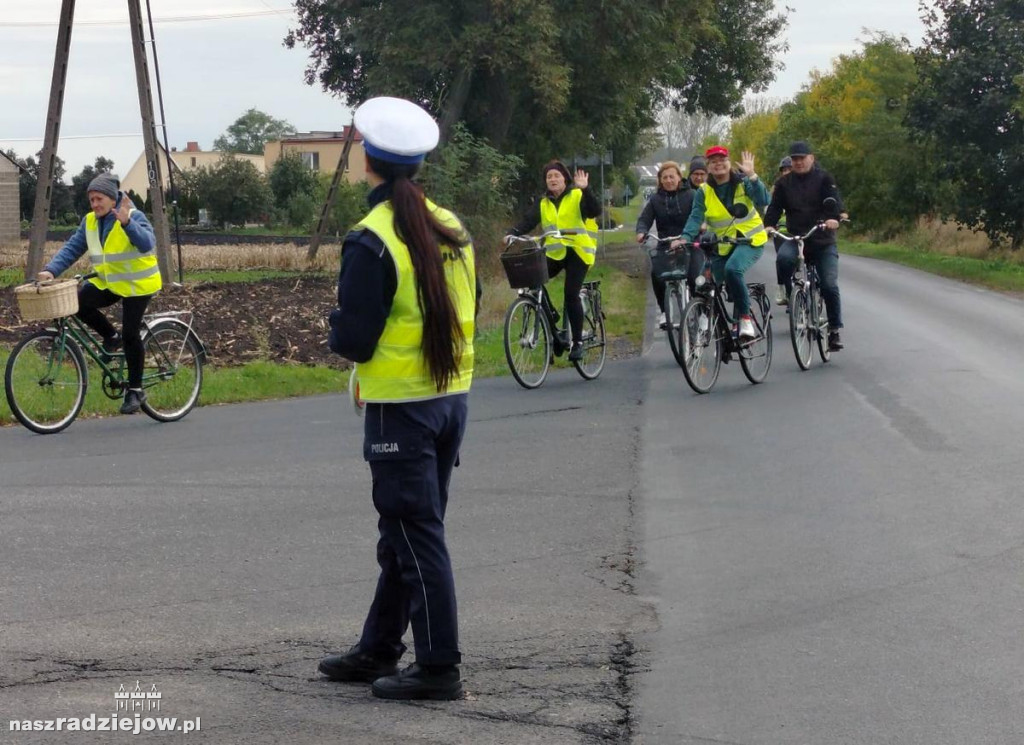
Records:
x=675, y=304
x=172, y=373
x=822, y=318
x=595, y=348
x=702, y=346
x=527, y=342
x=756, y=357
x=800, y=331
x=45, y=382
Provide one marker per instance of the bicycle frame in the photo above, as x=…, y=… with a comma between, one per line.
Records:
x=725, y=319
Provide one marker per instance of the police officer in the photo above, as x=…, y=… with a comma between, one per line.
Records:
x=120, y=243
x=407, y=299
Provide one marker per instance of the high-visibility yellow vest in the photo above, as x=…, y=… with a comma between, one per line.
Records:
x=725, y=225
x=119, y=266
x=580, y=233
x=398, y=370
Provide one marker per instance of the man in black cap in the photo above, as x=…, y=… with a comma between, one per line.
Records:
x=801, y=195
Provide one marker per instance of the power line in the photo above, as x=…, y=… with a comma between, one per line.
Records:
x=71, y=137
x=169, y=19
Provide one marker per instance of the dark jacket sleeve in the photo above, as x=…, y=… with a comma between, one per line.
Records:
x=646, y=219
x=366, y=289
x=830, y=189
x=591, y=205
x=776, y=206
x=530, y=220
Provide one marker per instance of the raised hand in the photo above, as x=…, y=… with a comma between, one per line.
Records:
x=124, y=209
x=581, y=178
x=747, y=164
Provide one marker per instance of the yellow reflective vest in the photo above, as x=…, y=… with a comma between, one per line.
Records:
x=398, y=370
x=119, y=266
x=580, y=233
x=725, y=225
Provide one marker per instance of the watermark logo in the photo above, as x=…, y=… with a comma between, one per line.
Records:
x=133, y=710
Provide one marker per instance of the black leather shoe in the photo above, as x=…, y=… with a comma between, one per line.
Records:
x=354, y=666
x=576, y=353
x=112, y=344
x=834, y=342
x=132, y=401
x=441, y=683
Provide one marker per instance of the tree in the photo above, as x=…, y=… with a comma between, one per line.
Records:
x=290, y=177
x=968, y=106
x=251, y=131
x=234, y=192
x=61, y=206
x=540, y=78
x=853, y=116
x=684, y=133
x=80, y=183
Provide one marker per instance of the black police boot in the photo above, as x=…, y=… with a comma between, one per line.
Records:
x=355, y=666
x=576, y=353
x=132, y=401
x=834, y=342
x=436, y=683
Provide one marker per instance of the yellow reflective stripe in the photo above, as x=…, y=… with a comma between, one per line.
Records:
x=720, y=223
x=126, y=256
x=111, y=277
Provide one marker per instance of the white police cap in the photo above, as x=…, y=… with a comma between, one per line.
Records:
x=396, y=130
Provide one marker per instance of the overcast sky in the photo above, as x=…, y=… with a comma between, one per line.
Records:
x=214, y=68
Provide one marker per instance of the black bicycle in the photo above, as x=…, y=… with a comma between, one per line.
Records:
x=669, y=265
x=709, y=337
x=532, y=336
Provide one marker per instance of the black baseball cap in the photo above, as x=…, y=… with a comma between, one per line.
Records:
x=800, y=148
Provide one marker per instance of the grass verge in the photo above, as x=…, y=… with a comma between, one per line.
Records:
x=624, y=299
x=995, y=273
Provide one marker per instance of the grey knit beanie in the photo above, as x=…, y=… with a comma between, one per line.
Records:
x=105, y=183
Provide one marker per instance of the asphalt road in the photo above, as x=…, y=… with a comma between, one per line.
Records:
x=834, y=556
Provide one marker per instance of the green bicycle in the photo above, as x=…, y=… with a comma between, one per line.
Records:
x=47, y=376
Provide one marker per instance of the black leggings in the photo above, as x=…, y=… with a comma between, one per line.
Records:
x=575, y=273
x=91, y=298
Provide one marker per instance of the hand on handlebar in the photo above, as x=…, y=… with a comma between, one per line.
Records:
x=831, y=224
x=641, y=237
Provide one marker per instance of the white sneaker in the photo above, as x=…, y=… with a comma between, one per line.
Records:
x=747, y=328
x=780, y=296
x=662, y=321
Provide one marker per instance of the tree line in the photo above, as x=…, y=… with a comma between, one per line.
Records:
x=935, y=130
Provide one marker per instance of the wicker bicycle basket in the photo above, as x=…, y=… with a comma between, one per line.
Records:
x=526, y=269
x=47, y=300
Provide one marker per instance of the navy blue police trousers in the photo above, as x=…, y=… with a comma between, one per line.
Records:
x=412, y=449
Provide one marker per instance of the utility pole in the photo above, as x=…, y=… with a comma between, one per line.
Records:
x=44, y=185
x=156, y=183
x=41, y=211
x=325, y=209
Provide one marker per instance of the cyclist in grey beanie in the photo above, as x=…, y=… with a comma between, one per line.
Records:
x=105, y=183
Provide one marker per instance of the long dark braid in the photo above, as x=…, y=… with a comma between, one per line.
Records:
x=443, y=338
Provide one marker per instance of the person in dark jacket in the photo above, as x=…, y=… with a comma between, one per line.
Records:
x=801, y=195
x=669, y=208
x=570, y=207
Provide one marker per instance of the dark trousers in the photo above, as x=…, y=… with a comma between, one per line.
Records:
x=91, y=299
x=575, y=274
x=693, y=262
x=412, y=449
x=826, y=261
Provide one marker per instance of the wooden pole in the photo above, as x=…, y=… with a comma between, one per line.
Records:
x=325, y=211
x=44, y=185
x=156, y=183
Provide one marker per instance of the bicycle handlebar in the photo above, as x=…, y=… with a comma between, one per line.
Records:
x=820, y=225
x=533, y=239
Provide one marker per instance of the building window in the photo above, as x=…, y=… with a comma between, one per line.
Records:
x=193, y=162
x=311, y=160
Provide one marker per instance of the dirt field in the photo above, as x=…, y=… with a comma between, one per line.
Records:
x=280, y=320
